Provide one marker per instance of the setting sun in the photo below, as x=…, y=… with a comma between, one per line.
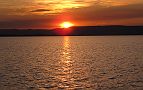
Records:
x=66, y=24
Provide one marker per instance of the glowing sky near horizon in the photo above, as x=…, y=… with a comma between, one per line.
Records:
x=44, y=12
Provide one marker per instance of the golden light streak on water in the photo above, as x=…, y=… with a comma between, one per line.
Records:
x=67, y=81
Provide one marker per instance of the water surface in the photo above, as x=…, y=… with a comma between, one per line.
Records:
x=71, y=63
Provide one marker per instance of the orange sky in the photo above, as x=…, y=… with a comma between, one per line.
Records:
x=50, y=13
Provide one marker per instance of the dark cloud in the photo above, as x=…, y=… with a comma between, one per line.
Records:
x=40, y=10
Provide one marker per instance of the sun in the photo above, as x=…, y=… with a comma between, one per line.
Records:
x=66, y=25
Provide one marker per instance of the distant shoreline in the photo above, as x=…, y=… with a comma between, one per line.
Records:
x=75, y=31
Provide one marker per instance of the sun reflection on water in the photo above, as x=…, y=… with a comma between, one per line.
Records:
x=66, y=50
x=66, y=65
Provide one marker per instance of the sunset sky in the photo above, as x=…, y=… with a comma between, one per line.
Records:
x=50, y=13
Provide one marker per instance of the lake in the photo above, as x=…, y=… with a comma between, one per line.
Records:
x=71, y=63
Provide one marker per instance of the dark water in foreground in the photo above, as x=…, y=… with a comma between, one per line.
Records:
x=71, y=63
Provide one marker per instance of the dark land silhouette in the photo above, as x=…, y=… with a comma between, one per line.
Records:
x=76, y=31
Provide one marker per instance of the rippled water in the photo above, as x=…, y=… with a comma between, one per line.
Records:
x=71, y=63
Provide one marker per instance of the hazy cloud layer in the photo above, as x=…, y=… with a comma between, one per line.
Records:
x=56, y=5
x=114, y=12
x=46, y=13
